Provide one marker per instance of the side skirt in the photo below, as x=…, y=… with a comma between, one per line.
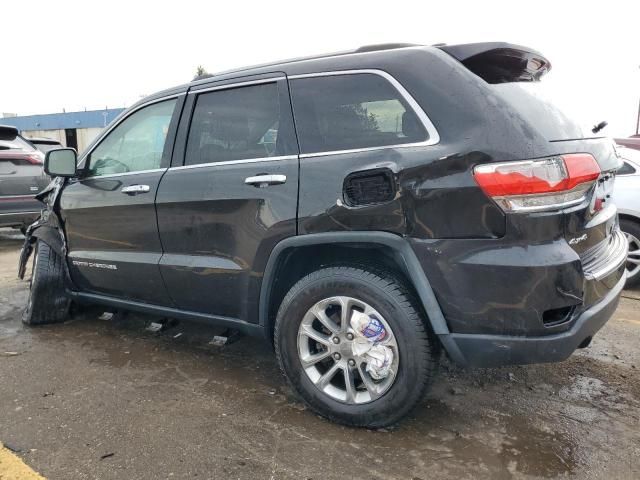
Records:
x=204, y=318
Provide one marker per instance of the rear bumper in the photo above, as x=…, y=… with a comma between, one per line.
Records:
x=479, y=350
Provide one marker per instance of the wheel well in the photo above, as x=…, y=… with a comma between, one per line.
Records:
x=629, y=218
x=296, y=262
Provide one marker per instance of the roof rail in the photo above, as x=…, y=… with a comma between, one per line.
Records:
x=385, y=46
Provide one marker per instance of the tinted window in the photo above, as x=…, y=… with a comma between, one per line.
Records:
x=136, y=143
x=342, y=112
x=626, y=169
x=16, y=143
x=235, y=124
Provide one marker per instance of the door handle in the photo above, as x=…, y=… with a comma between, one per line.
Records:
x=135, y=189
x=262, y=181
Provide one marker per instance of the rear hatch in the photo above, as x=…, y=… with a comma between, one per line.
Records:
x=590, y=226
x=21, y=173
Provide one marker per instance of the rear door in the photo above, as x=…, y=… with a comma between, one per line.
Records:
x=230, y=195
x=109, y=212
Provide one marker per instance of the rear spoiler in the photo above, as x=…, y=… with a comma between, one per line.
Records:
x=7, y=132
x=499, y=62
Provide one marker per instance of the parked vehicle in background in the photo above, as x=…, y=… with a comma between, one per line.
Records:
x=626, y=197
x=364, y=211
x=45, y=144
x=632, y=142
x=21, y=177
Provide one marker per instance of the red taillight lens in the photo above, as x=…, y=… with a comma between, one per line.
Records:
x=544, y=184
x=34, y=159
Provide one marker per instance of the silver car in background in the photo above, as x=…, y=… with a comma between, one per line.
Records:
x=626, y=196
x=21, y=178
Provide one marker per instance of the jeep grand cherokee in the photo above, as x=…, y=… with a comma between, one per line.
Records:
x=364, y=211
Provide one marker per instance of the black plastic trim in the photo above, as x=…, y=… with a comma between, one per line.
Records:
x=411, y=267
x=233, y=323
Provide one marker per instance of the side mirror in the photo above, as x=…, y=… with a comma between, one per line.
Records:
x=61, y=162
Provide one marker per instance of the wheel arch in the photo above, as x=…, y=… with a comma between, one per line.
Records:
x=629, y=217
x=279, y=266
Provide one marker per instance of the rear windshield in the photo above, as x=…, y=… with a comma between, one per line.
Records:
x=45, y=147
x=545, y=107
x=18, y=143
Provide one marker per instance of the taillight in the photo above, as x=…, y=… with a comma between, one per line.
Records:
x=536, y=185
x=34, y=158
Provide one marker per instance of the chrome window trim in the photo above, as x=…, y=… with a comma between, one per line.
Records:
x=123, y=174
x=237, y=84
x=433, y=135
x=106, y=133
x=24, y=195
x=235, y=162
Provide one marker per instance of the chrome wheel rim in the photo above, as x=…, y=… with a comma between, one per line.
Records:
x=633, y=258
x=326, y=351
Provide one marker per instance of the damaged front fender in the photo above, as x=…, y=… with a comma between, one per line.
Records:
x=48, y=227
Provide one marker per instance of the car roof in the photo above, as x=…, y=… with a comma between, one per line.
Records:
x=308, y=64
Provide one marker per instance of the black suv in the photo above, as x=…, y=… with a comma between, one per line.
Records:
x=364, y=211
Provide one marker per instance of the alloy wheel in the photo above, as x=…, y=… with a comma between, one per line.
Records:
x=328, y=351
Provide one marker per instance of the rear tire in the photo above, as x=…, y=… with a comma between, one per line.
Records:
x=417, y=350
x=48, y=302
x=632, y=231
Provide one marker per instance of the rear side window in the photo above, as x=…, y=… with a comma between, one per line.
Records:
x=235, y=124
x=344, y=112
x=15, y=143
x=136, y=144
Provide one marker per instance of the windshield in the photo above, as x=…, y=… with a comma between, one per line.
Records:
x=546, y=107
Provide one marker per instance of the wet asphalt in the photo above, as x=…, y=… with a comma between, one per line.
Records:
x=108, y=399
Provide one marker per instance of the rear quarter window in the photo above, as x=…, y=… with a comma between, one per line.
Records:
x=16, y=143
x=352, y=111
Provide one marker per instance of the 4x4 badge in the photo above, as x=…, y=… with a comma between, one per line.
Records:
x=575, y=241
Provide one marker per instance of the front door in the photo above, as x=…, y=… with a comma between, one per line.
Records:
x=109, y=212
x=231, y=196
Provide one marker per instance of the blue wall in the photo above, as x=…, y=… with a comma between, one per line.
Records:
x=60, y=121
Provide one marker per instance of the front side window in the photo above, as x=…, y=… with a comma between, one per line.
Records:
x=136, y=144
x=344, y=112
x=235, y=124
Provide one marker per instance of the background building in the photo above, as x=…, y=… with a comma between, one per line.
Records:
x=72, y=129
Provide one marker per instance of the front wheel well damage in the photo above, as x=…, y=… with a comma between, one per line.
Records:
x=294, y=263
